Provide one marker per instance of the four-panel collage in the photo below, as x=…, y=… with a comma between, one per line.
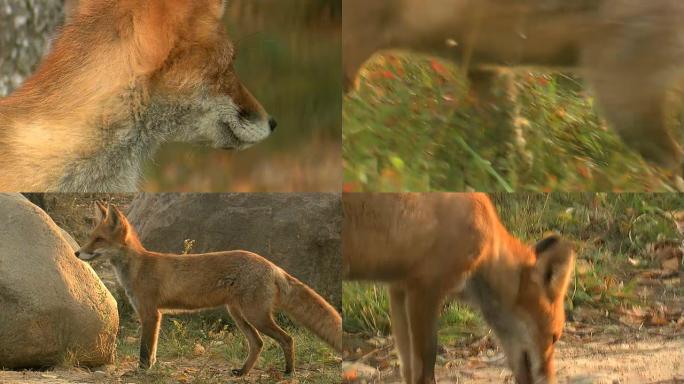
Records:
x=342, y=191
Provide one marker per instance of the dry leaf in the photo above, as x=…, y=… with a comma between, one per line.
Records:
x=671, y=264
x=198, y=350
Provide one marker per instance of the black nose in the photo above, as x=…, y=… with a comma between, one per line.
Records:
x=77, y=253
x=273, y=124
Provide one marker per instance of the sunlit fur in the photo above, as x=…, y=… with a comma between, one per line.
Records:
x=248, y=285
x=429, y=247
x=123, y=77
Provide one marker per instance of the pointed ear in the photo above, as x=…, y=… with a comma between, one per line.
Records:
x=154, y=31
x=158, y=25
x=111, y=217
x=555, y=260
x=119, y=218
x=100, y=211
x=217, y=7
x=70, y=7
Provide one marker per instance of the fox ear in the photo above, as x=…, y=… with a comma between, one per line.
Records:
x=100, y=211
x=217, y=7
x=555, y=260
x=158, y=25
x=112, y=216
x=119, y=218
x=70, y=7
x=214, y=8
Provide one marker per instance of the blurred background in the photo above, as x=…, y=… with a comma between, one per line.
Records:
x=289, y=57
x=413, y=124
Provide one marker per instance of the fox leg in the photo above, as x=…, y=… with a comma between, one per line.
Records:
x=263, y=321
x=253, y=340
x=150, y=320
x=400, y=329
x=423, y=304
x=496, y=95
x=639, y=99
x=641, y=121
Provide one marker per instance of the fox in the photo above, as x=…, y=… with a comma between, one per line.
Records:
x=629, y=51
x=248, y=285
x=123, y=77
x=429, y=248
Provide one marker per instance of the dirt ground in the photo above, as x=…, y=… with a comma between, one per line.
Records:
x=626, y=345
x=581, y=358
x=197, y=370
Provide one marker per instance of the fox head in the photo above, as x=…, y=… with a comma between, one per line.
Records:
x=180, y=62
x=529, y=332
x=111, y=235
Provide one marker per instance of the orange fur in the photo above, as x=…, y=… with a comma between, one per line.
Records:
x=250, y=286
x=428, y=247
x=111, y=61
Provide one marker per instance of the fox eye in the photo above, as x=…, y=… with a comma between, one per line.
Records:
x=98, y=239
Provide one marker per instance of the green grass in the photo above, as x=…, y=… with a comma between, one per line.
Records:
x=606, y=228
x=225, y=349
x=413, y=125
x=365, y=307
x=366, y=311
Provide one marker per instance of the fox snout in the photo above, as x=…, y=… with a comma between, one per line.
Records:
x=527, y=373
x=84, y=255
x=252, y=117
x=253, y=123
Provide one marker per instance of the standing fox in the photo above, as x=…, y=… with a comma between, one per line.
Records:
x=250, y=286
x=431, y=246
x=630, y=51
x=123, y=77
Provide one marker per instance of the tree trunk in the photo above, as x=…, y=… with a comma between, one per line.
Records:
x=26, y=27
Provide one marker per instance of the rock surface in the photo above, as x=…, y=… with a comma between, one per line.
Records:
x=27, y=26
x=53, y=307
x=299, y=232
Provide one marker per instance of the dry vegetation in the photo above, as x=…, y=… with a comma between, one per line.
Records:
x=413, y=125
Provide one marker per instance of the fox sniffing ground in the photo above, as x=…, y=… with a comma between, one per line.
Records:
x=631, y=52
x=123, y=77
x=248, y=285
x=430, y=247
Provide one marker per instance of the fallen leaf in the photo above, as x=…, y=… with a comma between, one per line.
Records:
x=658, y=319
x=198, y=350
x=671, y=264
x=438, y=67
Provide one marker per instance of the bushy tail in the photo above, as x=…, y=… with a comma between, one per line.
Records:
x=309, y=309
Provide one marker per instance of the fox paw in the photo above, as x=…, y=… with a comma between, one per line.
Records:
x=237, y=372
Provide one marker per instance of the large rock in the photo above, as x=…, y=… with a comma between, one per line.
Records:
x=299, y=232
x=53, y=307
